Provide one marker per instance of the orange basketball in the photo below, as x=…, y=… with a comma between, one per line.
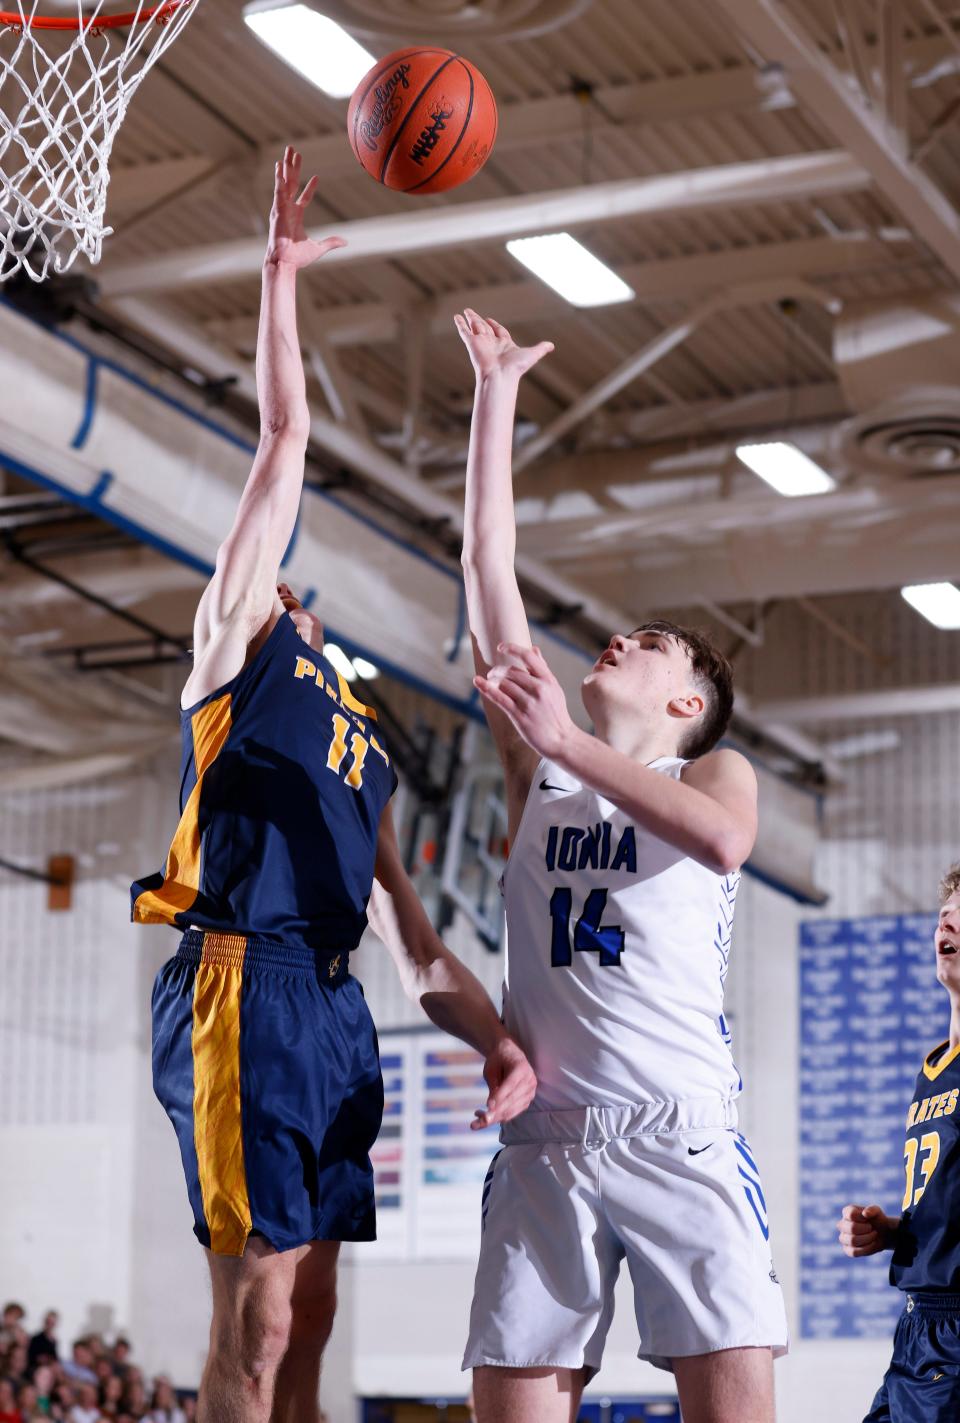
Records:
x=422, y=121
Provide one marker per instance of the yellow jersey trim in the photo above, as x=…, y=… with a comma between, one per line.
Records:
x=211, y=726
x=933, y=1072
x=351, y=702
x=217, y=1124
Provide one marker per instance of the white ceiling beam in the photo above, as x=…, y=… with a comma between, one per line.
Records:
x=655, y=350
x=521, y=125
x=661, y=281
x=357, y=453
x=465, y=223
x=529, y=123
x=857, y=706
x=841, y=108
x=784, y=406
x=325, y=363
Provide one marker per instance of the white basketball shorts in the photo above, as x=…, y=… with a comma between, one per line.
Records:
x=670, y=1187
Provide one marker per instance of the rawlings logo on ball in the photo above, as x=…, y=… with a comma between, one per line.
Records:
x=430, y=136
x=385, y=108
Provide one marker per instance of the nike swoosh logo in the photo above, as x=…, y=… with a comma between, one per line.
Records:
x=564, y=790
x=691, y=1152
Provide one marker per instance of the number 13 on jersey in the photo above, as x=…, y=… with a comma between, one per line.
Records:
x=589, y=935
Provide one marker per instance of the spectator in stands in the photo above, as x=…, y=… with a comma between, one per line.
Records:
x=79, y=1368
x=121, y=1356
x=86, y=1409
x=111, y=1395
x=43, y=1347
x=189, y=1406
x=9, y=1413
x=43, y=1381
x=13, y=1363
x=164, y=1408
x=134, y=1396
x=29, y=1404
x=11, y=1329
x=61, y=1401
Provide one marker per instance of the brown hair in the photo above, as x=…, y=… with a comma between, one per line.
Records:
x=713, y=676
x=949, y=884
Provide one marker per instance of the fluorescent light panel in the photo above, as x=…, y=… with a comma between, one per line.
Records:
x=365, y=669
x=336, y=656
x=566, y=265
x=939, y=603
x=786, y=469
x=313, y=45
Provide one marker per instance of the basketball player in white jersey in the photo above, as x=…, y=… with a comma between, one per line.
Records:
x=625, y=854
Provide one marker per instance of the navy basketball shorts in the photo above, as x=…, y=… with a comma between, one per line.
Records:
x=922, y=1384
x=265, y=1060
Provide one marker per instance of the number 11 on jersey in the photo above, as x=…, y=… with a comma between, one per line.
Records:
x=589, y=935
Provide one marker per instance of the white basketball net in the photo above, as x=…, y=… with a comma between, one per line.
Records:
x=63, y=96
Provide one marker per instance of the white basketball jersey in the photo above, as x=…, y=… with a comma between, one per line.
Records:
x=617, y=951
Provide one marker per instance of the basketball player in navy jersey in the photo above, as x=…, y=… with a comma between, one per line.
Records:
x=922, y=1384
x=264, y=1053
x=619, y=892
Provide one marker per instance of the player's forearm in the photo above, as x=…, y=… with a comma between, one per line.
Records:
x=458, y=1003
x=489, y=522
x=672, y=811
x=431, y=975
x=494, y=606
x=281, y=386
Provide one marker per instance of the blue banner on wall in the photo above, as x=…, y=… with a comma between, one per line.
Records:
x=870, y=1010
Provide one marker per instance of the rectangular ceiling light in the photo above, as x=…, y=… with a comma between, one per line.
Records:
x=564, y=264
x=312, y=44
x=786, y=469
x=339, y=660
x=939, y=603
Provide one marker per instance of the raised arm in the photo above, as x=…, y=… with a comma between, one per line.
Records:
x=445, y=989
x=494, y=605
x=241, y=604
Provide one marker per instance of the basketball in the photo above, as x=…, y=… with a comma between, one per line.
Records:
x=423, y=120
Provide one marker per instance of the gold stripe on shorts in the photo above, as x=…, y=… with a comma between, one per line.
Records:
x=217, y=1128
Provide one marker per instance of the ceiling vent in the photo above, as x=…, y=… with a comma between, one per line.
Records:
x=454, y=21
x=899, y=365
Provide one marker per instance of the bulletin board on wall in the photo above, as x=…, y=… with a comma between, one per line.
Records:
x=429, y=1167
x=871, y=1009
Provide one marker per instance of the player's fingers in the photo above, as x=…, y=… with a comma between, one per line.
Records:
x=851, y=1212
x=529, y=657
x=477, y=323
x=498, y=329
x=306, y=197
x=331, y=244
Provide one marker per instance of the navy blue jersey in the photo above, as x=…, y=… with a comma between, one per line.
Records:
x=282, y=786
x=927, y=1254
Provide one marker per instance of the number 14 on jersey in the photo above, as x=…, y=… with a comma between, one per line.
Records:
x=589, y=935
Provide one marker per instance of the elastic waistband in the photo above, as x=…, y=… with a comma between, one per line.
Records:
x=594, y=1126
x=932, y=1302
x=249, y=951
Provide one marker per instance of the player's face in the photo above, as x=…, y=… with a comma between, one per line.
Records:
x=947, y=941
x=309, y=627
x=643, y=672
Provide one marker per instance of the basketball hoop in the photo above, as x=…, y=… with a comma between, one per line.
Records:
x=65, y=83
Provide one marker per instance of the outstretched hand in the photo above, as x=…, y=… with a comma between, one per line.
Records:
x=512, y=1085
x=288, y=242
x=492, y=349
x=523, y=687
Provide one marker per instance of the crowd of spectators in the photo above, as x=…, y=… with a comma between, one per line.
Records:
x=92, y=1382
